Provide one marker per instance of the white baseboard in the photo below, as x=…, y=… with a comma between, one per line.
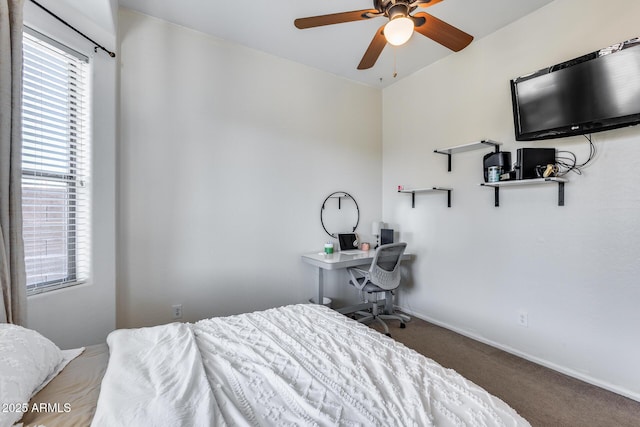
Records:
x=562, y=369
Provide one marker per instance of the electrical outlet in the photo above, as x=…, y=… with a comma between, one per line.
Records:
x=176, y=311
x=523, y=319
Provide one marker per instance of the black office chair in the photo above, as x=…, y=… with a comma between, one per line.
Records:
x=382, y=277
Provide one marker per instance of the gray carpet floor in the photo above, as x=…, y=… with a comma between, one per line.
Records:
x=544, y=397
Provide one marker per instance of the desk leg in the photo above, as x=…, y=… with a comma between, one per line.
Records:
x=320, y=286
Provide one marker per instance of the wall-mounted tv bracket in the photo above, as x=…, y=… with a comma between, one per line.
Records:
x=467, y=147
x=427, y=190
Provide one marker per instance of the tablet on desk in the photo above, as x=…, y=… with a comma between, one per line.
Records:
x=347, y=241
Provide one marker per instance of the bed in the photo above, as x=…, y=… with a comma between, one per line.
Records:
x=295, y=365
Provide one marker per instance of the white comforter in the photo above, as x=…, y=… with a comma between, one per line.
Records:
x=298, y=365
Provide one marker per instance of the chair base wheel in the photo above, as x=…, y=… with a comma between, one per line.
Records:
x=403, y=325
x=388, y=334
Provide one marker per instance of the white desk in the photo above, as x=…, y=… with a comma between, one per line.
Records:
x=337, y=261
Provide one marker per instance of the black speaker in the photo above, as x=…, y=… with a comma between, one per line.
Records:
x=530, y=158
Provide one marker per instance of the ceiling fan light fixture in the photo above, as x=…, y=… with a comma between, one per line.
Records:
x=398, y=30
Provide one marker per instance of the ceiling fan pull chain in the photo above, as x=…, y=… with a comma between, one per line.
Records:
x=395, y=68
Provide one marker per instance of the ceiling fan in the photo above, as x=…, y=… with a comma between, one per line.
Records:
x=398, y=30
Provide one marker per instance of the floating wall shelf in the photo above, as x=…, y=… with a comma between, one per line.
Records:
x=427, y=190
x=467, y=147
x=522, y=182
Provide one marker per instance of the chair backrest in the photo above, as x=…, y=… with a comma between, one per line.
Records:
x=385, y=267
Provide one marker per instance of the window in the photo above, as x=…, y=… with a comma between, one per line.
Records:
x=55, y=164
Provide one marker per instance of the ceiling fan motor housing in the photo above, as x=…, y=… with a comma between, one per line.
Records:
x=395, y=8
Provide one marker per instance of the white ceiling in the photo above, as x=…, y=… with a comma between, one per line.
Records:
x=267, y=25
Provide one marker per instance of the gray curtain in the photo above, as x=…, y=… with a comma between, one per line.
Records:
x=12, y=268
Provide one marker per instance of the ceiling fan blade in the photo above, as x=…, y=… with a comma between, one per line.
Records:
x=427, y=3
x=374, y=50
x=439, y=31
x=334, y=18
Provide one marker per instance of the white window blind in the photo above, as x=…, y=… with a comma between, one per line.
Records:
x=55, y=165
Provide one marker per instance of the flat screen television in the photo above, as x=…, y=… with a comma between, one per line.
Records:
x=595, y=92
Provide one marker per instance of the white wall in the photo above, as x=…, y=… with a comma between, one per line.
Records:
x=573, y=269
x=225, y=157
x=85, y=314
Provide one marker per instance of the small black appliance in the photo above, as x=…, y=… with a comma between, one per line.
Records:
x=502, y=159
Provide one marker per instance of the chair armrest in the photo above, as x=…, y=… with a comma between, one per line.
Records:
x=354, y=280
x=359, y=270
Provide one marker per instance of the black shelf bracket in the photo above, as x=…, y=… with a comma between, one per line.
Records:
x=561, y=194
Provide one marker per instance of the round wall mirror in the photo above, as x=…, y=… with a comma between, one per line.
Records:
x=339, y=214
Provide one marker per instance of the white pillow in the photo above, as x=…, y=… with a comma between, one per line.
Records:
x=27, y=359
